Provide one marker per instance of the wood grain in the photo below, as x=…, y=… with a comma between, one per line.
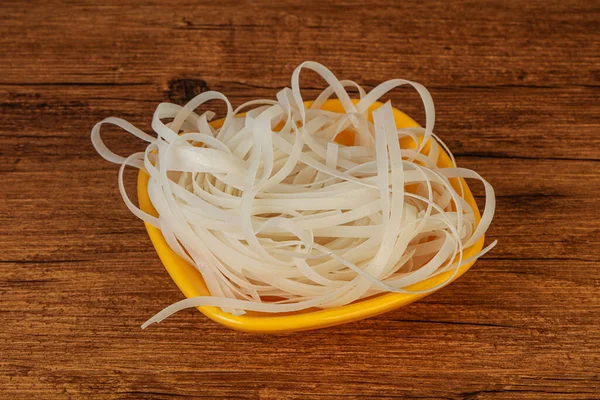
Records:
x=517, y=90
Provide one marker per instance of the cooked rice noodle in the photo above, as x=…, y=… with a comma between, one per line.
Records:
x=278, y=217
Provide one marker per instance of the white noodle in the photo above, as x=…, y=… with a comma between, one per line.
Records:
x=291, y=214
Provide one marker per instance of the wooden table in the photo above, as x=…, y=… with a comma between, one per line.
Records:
x=516, y=86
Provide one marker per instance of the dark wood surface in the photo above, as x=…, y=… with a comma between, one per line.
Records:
x=516, y=86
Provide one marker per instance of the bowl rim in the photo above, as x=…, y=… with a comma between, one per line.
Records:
x=190, y=282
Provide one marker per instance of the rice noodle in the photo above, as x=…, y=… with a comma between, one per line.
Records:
x=269, y=206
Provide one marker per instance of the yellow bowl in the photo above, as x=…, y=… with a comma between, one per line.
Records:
x=190, y=282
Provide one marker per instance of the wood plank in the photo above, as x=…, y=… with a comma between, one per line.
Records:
x=516, y=86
